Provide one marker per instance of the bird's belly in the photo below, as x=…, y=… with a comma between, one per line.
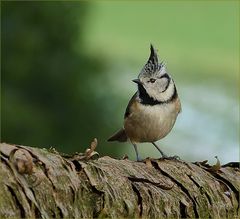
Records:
x=150, y=123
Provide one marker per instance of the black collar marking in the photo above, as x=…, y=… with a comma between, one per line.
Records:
x=168, y=81
x=147, y=100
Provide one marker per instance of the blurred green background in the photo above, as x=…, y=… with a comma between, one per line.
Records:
x=67, y=69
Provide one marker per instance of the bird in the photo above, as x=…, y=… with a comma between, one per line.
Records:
x=152, y=111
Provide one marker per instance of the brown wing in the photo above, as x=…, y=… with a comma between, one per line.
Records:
x=128, y=110
x=121, y=134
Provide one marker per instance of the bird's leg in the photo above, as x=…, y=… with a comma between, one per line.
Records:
x=136, y=150
x=163, y=155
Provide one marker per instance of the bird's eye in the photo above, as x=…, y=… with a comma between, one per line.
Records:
x=152, y=80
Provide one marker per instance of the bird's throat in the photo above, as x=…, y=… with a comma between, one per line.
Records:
x=147, y=100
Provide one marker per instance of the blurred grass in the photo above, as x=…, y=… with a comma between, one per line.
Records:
x=199, y=38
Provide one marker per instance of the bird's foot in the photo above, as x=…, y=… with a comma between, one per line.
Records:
x=175, y=157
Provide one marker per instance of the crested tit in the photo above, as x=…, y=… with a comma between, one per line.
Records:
x=153, y=109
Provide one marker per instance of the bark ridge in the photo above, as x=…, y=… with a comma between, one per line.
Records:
x=39, y=183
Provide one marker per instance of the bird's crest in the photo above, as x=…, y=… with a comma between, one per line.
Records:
x=152, y=66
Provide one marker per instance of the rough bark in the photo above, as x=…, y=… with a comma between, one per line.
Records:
x=39, y=183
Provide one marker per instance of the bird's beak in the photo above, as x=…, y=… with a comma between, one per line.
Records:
x=137, y=81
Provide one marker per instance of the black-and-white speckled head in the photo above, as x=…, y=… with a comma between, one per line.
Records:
x=152, y=67
x=154, y=79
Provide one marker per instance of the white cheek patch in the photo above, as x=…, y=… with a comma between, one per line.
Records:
x=163, y=84
x=168, y=93
x=160, y=94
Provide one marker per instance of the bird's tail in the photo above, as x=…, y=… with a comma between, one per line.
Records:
x=119, y=136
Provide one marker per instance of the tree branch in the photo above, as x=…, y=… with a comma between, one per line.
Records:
x=39, y=183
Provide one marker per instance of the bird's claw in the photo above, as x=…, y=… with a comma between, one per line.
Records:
x=175, y=157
